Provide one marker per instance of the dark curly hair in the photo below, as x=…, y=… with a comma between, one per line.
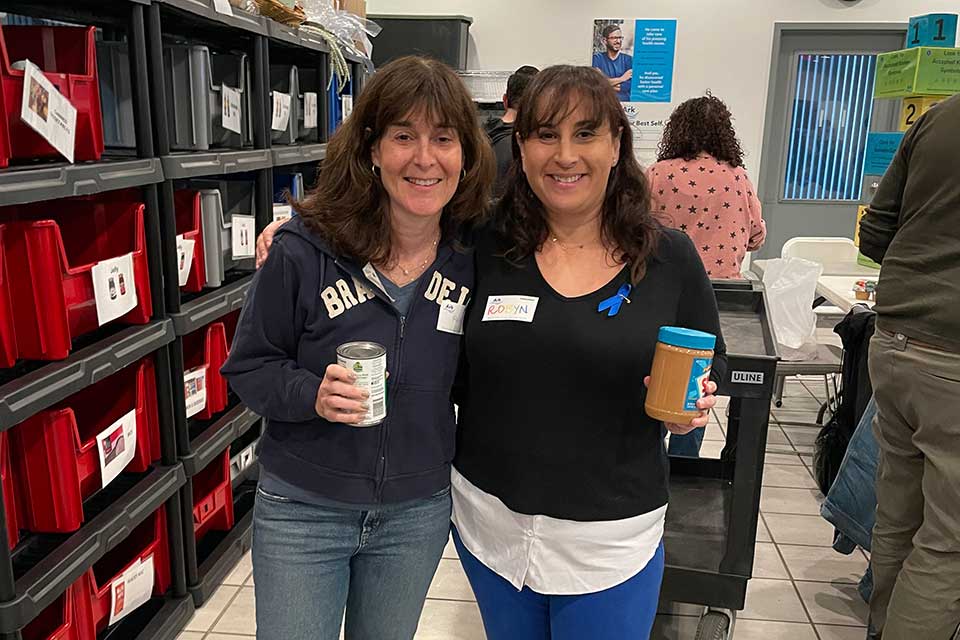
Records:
x=626, y=222
x=701, y=125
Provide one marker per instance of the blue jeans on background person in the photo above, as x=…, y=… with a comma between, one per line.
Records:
x=851, y=503
x=313, y=563
x=687, y=445
x=626, y=610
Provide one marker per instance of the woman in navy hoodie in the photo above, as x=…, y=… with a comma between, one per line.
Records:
x=352, y=519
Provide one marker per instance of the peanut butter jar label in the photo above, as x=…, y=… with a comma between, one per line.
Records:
x=699, y=374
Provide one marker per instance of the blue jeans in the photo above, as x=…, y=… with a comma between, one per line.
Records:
x=626, y=610
x=311, y=563
x=687, y=445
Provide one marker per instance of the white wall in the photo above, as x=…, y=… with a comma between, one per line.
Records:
x=722, y=45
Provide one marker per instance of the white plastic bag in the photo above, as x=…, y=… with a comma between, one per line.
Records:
x=791, y=285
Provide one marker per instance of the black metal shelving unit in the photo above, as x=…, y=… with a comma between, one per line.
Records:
x=41, y=568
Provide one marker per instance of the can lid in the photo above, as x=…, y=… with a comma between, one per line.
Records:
x=687, y=338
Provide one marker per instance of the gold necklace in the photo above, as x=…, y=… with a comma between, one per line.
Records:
x=423, y=265
x=555, y=240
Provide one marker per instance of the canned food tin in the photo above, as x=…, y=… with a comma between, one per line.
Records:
x=368, y=361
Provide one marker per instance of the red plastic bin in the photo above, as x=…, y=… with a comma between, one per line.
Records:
x=148, y=539
x=10, y=498
x=70, y=617
x=209, y=347
x=213, y=498
x=67, y=57
x=8, y=335
x=57, y=245
x=187, y=207
x=55, y=451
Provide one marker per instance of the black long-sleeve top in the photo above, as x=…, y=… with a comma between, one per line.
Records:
x=552, y=417
x=912, y=228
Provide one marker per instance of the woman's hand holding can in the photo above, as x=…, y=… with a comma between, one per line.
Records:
x=338, y=400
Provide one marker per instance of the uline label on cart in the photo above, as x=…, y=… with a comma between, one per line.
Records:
x=116, y=446
x=309, y=110
x=747, y=377
x=132, y=589
x=114, y=289
x=195, y=390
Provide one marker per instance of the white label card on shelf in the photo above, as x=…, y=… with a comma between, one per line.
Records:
x=116, y=445
x=114, y=288
x=232, y=111
x=281, y=111
x=282, y=212
x=132, y=589
x=195, y=390
x=309, y=110
x=184, y=258
x=223, y=6
x=244, y=236
x=347, y=102
x=47, y=111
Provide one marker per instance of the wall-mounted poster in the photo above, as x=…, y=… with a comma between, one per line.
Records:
x=637, y=56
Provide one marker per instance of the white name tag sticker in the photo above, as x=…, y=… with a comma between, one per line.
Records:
x=517, y=308
x=450, y=319
x=232, y=111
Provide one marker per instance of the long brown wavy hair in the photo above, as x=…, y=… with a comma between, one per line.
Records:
x=626, y=222
x=349, y=206
x=701, y=125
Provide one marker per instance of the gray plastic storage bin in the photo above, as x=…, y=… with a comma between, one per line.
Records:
x=284, y=78
x=220, y=199
x=116, y=94
x=193, y=76
x=442, y=37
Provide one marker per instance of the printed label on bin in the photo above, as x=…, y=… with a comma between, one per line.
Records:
x=116, y=445
x=281, y=111
x=131, y=589
x=244, y=236
x=699, y=374
x=114, y=288
x=47, y=111
x=232, y=112
x=347, y=102
x=450, y=319
x=195, y=390
x=223, y=6
x=242, y=461
x=282, y=212
x=184, y=258
x=309, y=110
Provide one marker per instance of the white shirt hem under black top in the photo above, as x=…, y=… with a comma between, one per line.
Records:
x=549, y=555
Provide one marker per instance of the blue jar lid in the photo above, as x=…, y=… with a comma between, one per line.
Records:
x=687, y=338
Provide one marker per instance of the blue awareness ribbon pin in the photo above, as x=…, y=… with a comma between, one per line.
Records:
x=612, y=305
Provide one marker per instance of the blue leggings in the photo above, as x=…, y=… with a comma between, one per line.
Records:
x=624, y=611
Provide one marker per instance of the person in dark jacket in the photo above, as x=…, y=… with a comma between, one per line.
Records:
x=912, y=228
x=500, y=130
x=353, y=519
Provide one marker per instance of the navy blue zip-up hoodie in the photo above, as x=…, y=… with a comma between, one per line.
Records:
x=305, y=302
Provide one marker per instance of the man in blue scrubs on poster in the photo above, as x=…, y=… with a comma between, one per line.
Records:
x=612, y=63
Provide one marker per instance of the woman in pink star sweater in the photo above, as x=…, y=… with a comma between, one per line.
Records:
x=700, y=187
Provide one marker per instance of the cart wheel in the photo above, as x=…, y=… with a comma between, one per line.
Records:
x=713, y=626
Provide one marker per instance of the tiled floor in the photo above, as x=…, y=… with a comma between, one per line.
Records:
x=802, y=589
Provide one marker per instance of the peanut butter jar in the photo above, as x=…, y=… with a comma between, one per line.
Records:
x=681, y=364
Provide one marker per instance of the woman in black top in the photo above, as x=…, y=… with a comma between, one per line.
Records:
x=560, y=480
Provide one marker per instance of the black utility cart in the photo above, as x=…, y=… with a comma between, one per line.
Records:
x=711, y=523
